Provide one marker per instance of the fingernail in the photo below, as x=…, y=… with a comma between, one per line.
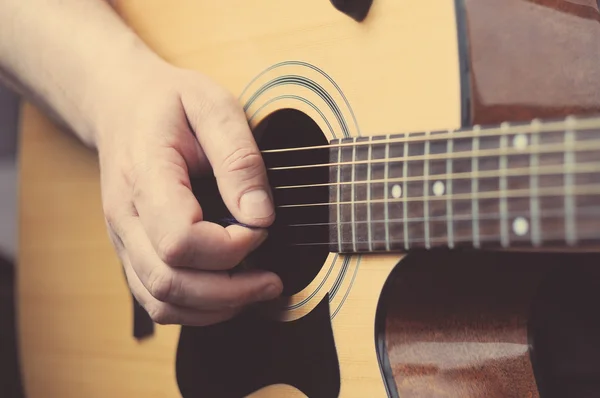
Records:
x=256, y=204
x=269, y=293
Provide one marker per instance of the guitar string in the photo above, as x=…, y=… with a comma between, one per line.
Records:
x=465, y=134
x=538, y=149
x=582, y=211
x=569, y=123
x=582, y=189
x=585, y=167
x=462, y=239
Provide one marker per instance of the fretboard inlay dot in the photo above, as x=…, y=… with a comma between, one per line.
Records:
x=520, y=226
x=396, y=191
x=520, y=142
x=439, y=188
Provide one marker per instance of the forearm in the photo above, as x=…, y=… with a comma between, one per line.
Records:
x=74, y=58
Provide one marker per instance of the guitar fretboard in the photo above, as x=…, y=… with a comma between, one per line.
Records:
x=511, y=185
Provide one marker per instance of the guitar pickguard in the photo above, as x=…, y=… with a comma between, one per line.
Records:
x=238, y=357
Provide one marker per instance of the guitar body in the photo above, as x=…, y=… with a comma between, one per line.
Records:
x=450, y=324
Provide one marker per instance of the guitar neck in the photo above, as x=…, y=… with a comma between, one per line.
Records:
x=534, y=184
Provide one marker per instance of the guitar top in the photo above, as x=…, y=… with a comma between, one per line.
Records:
x=436, y=172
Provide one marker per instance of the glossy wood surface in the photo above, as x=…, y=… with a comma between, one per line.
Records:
x=457, y=326
x=533, y=59
x=502, y=324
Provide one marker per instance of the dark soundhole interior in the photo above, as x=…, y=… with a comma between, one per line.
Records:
x=285, y=252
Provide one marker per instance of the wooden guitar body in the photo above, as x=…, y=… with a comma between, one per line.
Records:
x=354, y=322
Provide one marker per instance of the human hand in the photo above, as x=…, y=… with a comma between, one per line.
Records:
x=169, y=126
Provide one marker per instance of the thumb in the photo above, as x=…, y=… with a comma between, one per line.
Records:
x=227, y=141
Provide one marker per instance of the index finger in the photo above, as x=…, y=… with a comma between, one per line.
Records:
x=229, y=145
x=173, y=220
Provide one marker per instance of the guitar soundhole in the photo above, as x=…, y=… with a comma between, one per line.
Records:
x=296, y=248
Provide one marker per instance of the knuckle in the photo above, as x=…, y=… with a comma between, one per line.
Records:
x=243, y=159
x=137, y=193
x=219, y=104
x=171, y=249
x=161, y=285
x=160, y=314
x=112, y=219
x=110, y=213
x=134, y=177
x=223, y=99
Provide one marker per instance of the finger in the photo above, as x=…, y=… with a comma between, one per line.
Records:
x=225, y=137
x=173, y=220
x=165, y=313
x=199, y=290
x=182, y=138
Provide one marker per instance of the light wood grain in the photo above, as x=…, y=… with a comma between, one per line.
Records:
x=398, y=71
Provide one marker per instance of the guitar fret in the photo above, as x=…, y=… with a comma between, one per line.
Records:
x=449, y=193
x=339, y=199
x=569, y=160
x=474, y=190
x=503, y=187
x=353, y=195
x=386, y=195
x=405, y=193
x=516, y=194
x=534, y=204
x=426, y=183
x=370, y=152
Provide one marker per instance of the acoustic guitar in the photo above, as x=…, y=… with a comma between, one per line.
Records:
x=436, y=170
